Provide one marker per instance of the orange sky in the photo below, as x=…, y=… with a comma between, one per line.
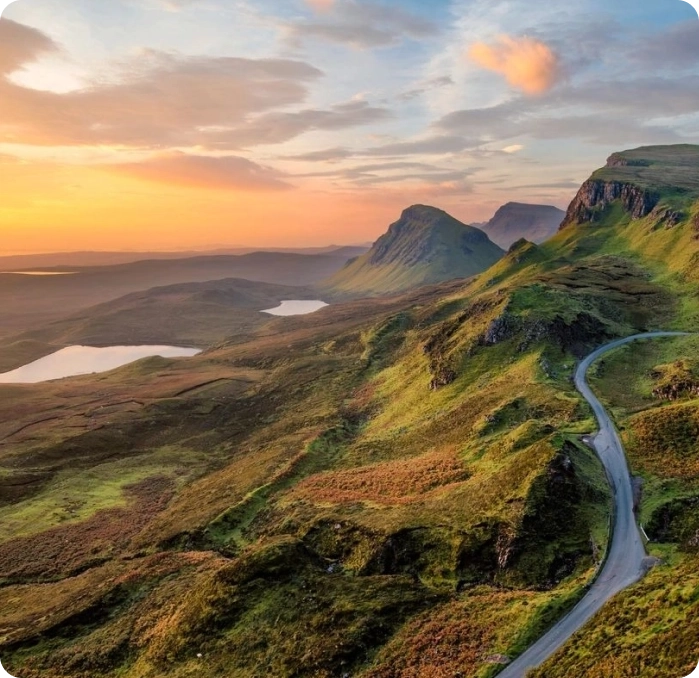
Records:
x=48, y=207
x=183, y=124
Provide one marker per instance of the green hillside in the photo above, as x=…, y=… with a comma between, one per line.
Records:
x=394, y=488
x=426, y=245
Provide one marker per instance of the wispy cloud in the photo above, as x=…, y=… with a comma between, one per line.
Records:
x=360, y=24
x=20, y=45
x=205, y=172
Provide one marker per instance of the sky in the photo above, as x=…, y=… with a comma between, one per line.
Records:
x=194, y=124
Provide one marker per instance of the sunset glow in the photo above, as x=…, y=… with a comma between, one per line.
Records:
x=180, y=124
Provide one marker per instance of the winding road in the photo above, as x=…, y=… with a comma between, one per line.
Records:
x=626, y=559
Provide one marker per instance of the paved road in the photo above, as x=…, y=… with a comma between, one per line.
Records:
x=625, y=562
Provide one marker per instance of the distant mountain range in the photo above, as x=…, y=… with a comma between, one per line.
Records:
x=23, y=262
x=517, y=220
x=30, y=302
x=426, y=245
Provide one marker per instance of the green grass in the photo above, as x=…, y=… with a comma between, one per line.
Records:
x=72, y=497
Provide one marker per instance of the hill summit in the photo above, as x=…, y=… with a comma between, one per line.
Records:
x=517, y=220
x=426, y=245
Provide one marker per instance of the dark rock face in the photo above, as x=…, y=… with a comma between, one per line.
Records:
x=416, y=237
x=595, y=195
x=550, y=515
x=695, y=226
x=677, y=522
x=437, y=346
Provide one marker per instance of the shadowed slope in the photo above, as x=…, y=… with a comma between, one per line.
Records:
x=424, y=246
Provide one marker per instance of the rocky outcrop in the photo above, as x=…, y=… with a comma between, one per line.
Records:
x=666, y=217
x=620, y=160
x=575, y=335
x=595, y=195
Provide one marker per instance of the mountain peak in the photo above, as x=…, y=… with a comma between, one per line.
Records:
x=426, y=245
x=422, y=211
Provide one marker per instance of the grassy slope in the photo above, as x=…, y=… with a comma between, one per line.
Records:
x=393, y=488
x=426, y=246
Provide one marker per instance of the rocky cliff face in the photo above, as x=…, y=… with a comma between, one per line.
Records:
x=595, y=195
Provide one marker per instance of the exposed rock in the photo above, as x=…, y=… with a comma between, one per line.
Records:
x=443, y=377
x=437, y=346
x=676, y=381
x=619, y=160
x=676, y=521
x=667, y=217
x=595, y=195
x=501, y=329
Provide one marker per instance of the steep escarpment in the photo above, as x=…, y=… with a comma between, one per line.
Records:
x=596, y=195
x=643, y=180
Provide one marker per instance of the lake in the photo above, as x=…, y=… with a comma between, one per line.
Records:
x=77, y=360
x=296, y=307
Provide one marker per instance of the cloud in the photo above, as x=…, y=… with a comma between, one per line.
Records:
x=362, y=25
x=20, y=45
x=327, y=155
x=527, y=64
x=435, y=145
x=634, y=111
x=162, y=100
x=277, y=127
x=165, y=100
x=677, y=47
x=426, y=86
x=514, y=148
x=320, y=5
x=228, y=172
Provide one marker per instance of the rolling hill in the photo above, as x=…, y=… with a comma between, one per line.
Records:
x=515, y=220
x=30, y=302
x=394, y=487
x=426, y=245
x=189, y=314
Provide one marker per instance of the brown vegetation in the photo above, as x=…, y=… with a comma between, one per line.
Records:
x=392, y=482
